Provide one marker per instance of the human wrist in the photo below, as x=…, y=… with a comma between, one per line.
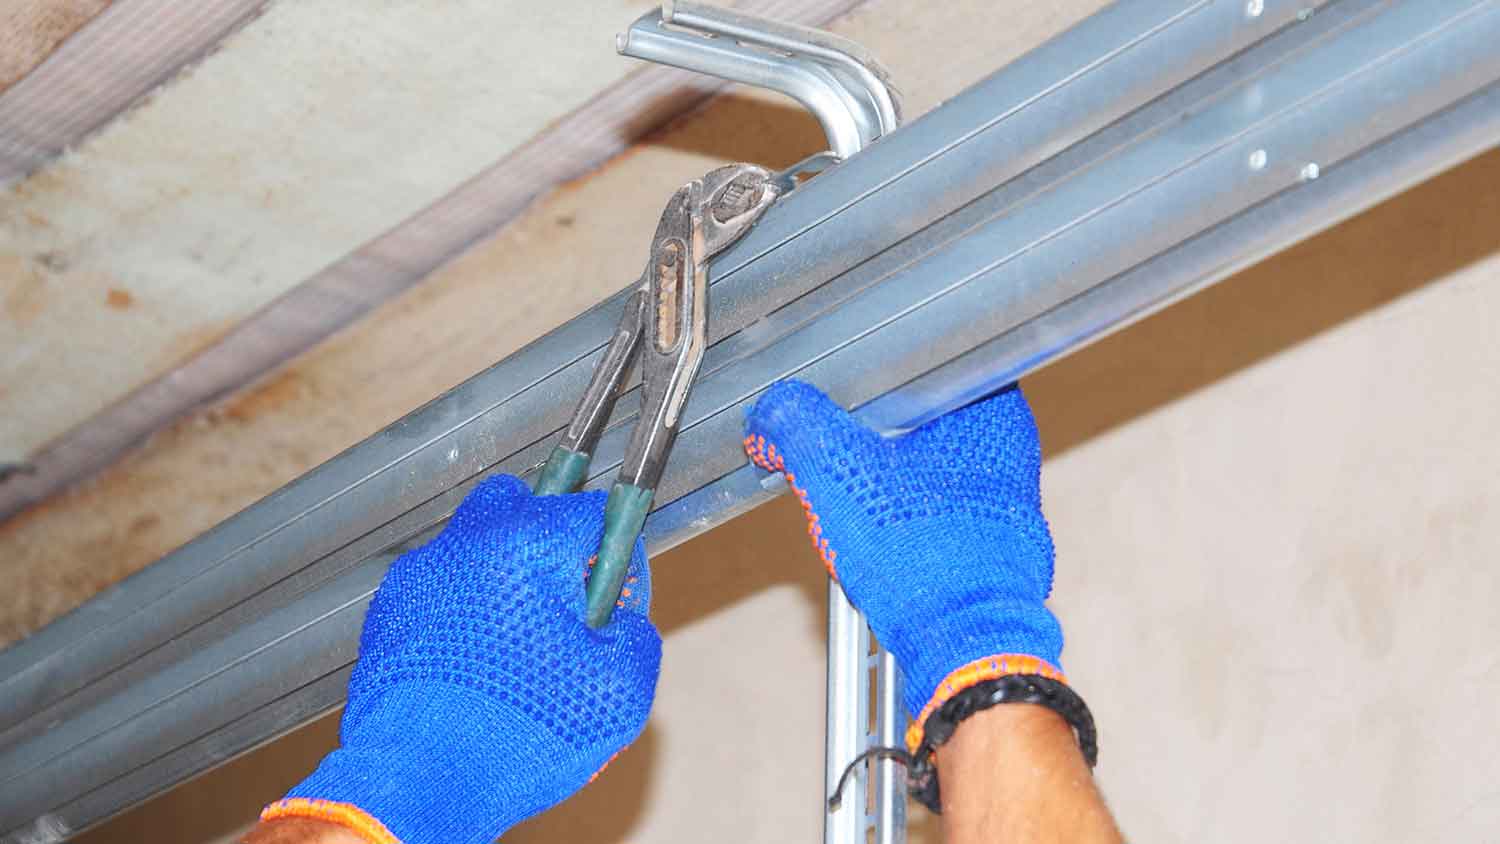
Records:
x=992, y=731
x=933, y=734
x=1030, y=754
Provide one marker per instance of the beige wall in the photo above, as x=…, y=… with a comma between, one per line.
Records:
x=1275, y=515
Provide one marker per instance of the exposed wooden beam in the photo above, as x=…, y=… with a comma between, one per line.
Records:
x=31, y=29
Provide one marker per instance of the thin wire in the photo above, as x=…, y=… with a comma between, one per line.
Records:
x=896, y=754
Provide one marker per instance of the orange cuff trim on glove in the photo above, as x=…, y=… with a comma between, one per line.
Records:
x=765, y=455
x=989, y=668
x=345, y=815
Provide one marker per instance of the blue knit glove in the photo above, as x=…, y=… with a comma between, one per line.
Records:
x=481, y=697
x=936, y=536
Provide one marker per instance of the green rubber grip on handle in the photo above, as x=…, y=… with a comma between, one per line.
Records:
x=563, y=471
x=624, y=516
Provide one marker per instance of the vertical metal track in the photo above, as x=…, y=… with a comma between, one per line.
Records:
x=888, y=814
x=848, y=718
x=865, y=710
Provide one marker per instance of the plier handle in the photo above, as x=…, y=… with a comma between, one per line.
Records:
x=665, y=322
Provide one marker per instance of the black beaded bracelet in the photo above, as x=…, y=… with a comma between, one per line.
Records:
x=921, y=774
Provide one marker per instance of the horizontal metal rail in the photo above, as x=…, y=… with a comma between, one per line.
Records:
x=362, y=500
x=1150, y=150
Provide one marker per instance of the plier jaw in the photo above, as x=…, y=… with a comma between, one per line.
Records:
x=666, y=324
x=703, y=218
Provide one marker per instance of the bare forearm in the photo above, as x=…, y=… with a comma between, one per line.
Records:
x=300, y=831
x=1014, y=773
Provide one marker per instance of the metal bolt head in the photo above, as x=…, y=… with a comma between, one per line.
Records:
x=1309, y=171
x=1258, y=160
x=1254, y=8
x=739, y=196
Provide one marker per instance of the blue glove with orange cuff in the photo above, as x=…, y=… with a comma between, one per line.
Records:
x=481, y=697
x=936, y=536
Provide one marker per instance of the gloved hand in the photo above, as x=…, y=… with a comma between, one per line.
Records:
x=481, y=697
x=936, y=536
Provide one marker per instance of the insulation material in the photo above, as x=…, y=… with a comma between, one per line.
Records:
x=100, y=70
x=308, y=133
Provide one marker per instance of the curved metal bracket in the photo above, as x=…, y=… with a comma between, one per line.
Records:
x=843, y=86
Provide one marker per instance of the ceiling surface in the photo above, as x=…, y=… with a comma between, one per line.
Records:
x=299, y=164
x=230, y=407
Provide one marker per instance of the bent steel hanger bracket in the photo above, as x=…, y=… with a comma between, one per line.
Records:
x=845, y=88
